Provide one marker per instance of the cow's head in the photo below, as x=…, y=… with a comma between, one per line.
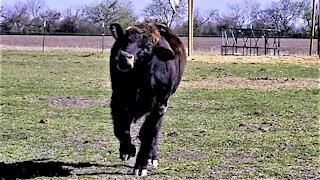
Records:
x=139, y=44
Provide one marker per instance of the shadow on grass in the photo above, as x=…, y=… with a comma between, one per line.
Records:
x=43, y=168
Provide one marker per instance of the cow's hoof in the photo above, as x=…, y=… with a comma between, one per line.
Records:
x=127, y=151
x=155, y=164
x=144, y=172
x=136, y=172
x=163, y=109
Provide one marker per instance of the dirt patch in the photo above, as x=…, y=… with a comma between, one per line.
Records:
x=188, y=155
x=229, y=166
x=255, y=83
x=232, y=172
x=301, y=172
x=238, y=158
x=98, y=83
x=74, y=101
x=263, y=127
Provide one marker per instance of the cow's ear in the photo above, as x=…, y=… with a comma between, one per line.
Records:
x=116, y=30
x=163, y=51
x=164, y=54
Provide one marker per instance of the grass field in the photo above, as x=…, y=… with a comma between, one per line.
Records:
x=233, y=117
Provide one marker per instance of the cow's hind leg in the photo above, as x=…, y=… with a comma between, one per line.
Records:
x=149, y=130
x=154, y=152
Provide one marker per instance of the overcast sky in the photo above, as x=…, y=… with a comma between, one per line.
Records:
x=139, y=4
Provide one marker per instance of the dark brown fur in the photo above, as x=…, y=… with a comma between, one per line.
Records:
x=145, y=88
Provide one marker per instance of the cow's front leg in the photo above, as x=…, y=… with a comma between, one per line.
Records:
x=149, y=135
x=121, y=125
x=127, y=150
x=122, y=132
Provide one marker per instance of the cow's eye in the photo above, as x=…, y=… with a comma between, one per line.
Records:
x=141, y=54
x=144, y=47
x=129, y=40
x=147, y=49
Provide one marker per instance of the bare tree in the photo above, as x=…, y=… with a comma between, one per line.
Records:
x=282, y=15
x=226, y=22
x=244, y=13
x=14, y=18
x=71, y=18
x=109, y=11
x=35, y=8
x=126, y=15
x=201, y=18
x=306, y=7
x=161, y=11
x=52, y=19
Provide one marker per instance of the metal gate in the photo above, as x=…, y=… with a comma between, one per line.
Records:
x=250, y=41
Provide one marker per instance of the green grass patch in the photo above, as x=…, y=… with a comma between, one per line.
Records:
x=202, y=70
x=55, y=106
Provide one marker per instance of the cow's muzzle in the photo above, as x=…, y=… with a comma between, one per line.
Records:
x=126, y=61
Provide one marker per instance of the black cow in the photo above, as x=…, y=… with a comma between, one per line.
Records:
x=146, y=65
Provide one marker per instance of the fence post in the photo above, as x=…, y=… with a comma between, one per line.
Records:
x=318, y=11
x=43, y=35
x=265, y=43
x=102, y=41
x=222, y=42
x=312, y=25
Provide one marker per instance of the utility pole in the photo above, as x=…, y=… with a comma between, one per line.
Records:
x=313, y=21
x=174, y=4
x=190, y=29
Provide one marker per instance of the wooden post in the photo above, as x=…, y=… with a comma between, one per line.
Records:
x=265, y=43
x=43, y=34
x=222, y=42
x=318, y=28
x=312, y=25
x=102, y=40
x=190, y=29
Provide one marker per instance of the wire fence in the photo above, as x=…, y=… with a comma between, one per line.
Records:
x=103, y=43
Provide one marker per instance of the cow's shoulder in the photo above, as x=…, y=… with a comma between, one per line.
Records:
x=173, y=39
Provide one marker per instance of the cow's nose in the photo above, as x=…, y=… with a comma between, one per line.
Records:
x=126, y=61
x=127, y=55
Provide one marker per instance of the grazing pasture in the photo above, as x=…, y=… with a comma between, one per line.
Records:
x=232, y=117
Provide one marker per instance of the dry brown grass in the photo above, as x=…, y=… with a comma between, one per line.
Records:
x=217, y=58
x=236, y=82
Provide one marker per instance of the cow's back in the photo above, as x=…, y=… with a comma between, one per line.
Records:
x=179, y=50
